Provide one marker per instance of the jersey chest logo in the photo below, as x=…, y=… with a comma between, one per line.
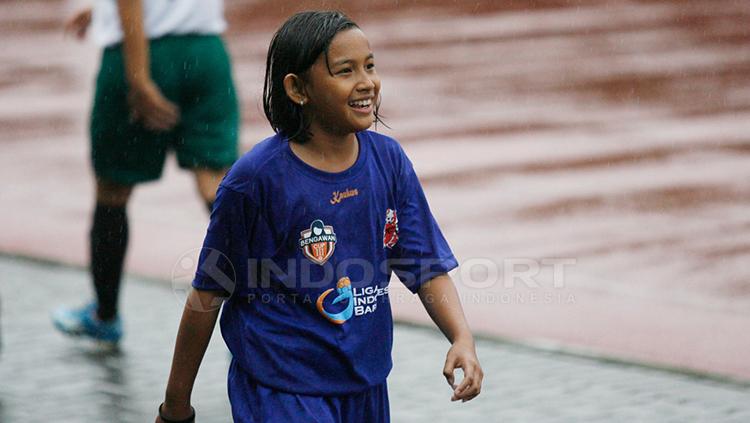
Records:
x=349, y=301
x=318, y=242
x=344, y=291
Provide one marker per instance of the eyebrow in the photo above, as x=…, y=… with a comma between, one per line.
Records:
x=341, y=62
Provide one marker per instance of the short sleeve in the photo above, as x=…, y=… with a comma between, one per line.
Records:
x=225, y=249
x=421, y=252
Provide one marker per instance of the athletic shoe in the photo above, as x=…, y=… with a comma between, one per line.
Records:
x=84, y=322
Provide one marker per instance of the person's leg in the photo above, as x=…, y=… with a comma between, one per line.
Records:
x=207, y=182
x=108, y=244
x=123, y=154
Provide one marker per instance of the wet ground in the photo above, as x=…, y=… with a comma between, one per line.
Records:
x=46, y=377
x=613, y=134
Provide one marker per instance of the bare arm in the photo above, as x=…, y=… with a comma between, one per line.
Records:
x=135, y=43
x=146, y=101
x=442, y=303
x=196, y=327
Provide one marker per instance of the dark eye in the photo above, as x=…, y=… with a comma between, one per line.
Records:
x=370, y=66
x=344, y=70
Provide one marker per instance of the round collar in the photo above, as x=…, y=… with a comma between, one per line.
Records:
x=316, y=173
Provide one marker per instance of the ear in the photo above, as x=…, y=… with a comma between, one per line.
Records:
x=295, y=89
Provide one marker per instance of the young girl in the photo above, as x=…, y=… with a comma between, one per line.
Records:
x=304, y=234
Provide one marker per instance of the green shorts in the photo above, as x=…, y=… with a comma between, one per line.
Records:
x=194, y=72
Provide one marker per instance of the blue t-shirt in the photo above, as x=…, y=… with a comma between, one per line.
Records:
x=306, y=257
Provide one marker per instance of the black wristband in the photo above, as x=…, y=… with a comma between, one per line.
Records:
x=190, y=419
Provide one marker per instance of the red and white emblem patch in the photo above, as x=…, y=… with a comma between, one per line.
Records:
x=318, y=242
x=390, y=232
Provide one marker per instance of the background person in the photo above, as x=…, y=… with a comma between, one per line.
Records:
x=165, y=83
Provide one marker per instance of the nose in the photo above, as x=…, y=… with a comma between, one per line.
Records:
x=366, y=83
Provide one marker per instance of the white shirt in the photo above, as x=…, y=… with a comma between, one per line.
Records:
x=161, y=17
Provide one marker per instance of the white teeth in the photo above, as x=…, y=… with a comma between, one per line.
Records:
x=361, y=103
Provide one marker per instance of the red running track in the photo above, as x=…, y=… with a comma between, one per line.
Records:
x=611, y=133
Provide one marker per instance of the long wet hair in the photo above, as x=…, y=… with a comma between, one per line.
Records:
x=294, y=48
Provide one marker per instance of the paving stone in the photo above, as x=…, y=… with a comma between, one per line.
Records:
x=47, y=377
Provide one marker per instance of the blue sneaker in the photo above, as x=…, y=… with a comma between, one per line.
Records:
x=84, y=322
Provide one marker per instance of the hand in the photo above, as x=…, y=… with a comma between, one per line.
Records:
x=79, y=23
x=463, y=355
x=149, y=106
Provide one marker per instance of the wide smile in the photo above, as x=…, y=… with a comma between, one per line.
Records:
x=362, y=106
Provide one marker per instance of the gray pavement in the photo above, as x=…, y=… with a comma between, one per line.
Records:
x=45, y=377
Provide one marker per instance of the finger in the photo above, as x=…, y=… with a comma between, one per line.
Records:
x=448, y=370
x=461, y=391
x=154, y=124
x=167, y=121
x=470, y=397
x=471, y=391
x=159, y=122
x=152, y=115
x=475, y=391
x=73, y=24
x=470, y=377
x=151, y=122
x=170, y=111
x=468, y=393
x=165, y=115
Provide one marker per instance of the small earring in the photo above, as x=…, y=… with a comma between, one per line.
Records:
x=302, y=102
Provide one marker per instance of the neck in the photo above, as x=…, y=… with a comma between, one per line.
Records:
x=328, y=152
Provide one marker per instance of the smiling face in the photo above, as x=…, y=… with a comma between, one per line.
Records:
x=343, y=100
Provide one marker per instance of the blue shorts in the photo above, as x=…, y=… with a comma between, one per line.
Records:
x=254, y=403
